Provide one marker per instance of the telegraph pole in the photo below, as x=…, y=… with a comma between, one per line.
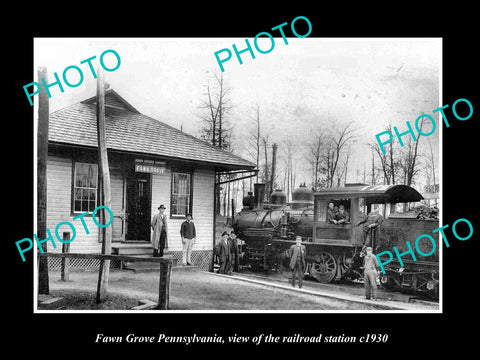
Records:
x=42, y=154
x=105, y=193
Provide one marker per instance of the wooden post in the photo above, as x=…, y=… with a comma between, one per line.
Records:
x=104, y=175
x=65, y=265
x=164, y=285
x=42, y=155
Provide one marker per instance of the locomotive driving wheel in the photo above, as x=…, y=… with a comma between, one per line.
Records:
x=323, y=267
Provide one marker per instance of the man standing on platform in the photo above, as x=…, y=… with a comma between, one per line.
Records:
x=370, y=223
x=370, y=273
x=234, y=250
x=159, y=236
x=297, y=255
x=188, y=234
x=224, y=254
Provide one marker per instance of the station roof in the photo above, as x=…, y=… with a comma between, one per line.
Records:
x=373, y=193
x=129, y=131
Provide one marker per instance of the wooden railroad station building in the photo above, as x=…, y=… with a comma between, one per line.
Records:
x=150, y=162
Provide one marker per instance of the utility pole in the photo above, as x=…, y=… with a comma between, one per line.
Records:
x=42, y=154
x=105, y=193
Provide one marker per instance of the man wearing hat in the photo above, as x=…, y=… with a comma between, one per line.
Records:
x=297, y=255
x=224, y=254
x=188, y=234
x=371, y=222
x=234, y=250
x=370, y=273
x=159, y=236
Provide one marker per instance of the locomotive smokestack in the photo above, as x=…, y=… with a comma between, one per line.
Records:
x=259, y=193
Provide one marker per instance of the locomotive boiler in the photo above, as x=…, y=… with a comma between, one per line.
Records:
x=334, y=251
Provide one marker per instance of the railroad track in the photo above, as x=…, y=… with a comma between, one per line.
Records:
x=352, y=289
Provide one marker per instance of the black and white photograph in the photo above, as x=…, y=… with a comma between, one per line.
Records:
x=290, y=180
x=219, y=173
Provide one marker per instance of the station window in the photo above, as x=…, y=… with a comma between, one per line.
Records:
x=85, y=187
x=181, y=196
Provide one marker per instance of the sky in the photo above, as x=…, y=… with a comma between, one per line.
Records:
x=302, y=88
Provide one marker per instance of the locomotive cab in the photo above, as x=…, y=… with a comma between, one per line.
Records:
x=340, y=244
x=357, y=202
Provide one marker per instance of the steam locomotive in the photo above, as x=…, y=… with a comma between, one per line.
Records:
x=334, y=251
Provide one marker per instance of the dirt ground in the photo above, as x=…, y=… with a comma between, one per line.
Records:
x=74, y=299
x=197, y=290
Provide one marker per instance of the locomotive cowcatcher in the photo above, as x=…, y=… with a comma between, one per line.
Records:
x=334, y=252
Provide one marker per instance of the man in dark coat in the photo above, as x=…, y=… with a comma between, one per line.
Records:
x=159, y=236
x=331, y=213
x=234, y=250
x=371, y=222
x=297, y=255
x=224, y=254
x=342, y=216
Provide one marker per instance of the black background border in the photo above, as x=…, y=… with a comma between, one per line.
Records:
x=414, y=333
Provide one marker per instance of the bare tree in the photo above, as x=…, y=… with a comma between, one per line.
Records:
x=215, y=128
x=399, y=164
x=254, y=139
x=392, y=162
x=384, y=163
x=335, y=150
x=410, y=158
x=389, y=163
x=216, y=106
x=266, y=172
x=290, y=167
x=343, y=169
x=328, y=156
x=432, y=162
x=314, y=158
x=431, y=174
x=373, y=177
x=274, y=165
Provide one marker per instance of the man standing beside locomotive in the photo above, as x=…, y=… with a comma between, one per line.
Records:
x=371, y=222
x=159, y=236
x=224, y=254
x=297, y=255
x=188, y=234
x=370, y=273
x=234, y=250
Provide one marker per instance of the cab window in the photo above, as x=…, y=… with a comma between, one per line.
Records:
x=338, y=211
x=321, y=210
